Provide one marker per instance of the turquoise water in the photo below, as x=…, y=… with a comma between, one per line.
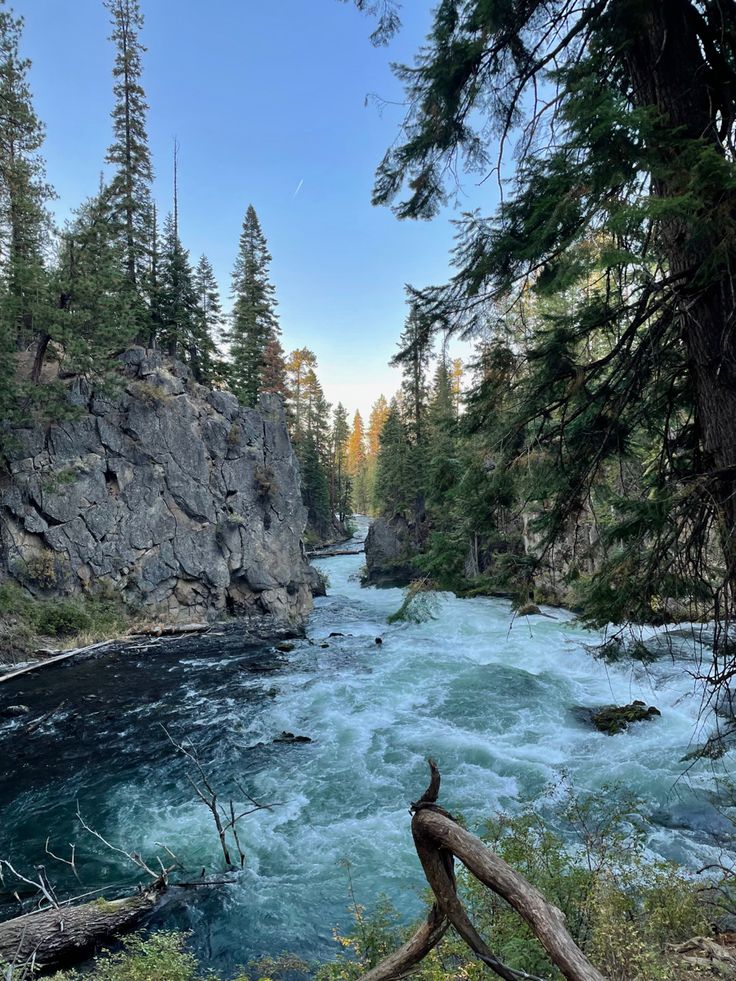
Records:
x=490, y=697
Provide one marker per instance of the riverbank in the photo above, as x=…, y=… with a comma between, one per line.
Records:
x=491, y=696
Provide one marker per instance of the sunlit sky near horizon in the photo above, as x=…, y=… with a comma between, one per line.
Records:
x=271, y=103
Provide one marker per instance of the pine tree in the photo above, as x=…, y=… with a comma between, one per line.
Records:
x=413, y=357
x=93, y=321
x=624, y=179
x=208, y=299
x=340, y=484
x=178, y=307
x=394, y=492
x=299, y=363
x=207, y=320
x=24, y=193
x=357, y=464
x=129, y=152
x=253, y=321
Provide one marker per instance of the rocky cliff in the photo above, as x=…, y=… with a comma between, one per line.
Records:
x=175, y=497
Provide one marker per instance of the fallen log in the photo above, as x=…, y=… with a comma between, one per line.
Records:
x=60, y=935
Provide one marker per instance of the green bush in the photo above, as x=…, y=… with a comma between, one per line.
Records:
x=159, y=957
x=61, y=618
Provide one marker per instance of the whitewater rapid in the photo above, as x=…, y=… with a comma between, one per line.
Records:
x=491, y=697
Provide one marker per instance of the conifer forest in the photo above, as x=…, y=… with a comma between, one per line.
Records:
x=368, y=442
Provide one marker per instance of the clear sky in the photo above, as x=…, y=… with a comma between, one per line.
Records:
x=268, y=101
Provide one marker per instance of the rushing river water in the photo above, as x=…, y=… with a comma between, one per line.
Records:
x=492, y=698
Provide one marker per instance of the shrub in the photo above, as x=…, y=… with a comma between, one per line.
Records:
x=158, y=957
x=419, y=603
x=61, y=618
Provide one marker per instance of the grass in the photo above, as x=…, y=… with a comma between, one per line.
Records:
x=27, y=623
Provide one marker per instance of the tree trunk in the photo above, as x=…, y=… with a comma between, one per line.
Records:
x=58, y=936
x=668, y=71
x=41, y=348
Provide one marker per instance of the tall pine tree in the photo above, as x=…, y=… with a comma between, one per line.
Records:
x=253, y=320
x=129, y=154
x=24, y=193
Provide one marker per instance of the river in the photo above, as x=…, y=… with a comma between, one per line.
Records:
x=491, y=698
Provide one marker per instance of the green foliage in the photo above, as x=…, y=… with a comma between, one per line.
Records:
x=419, y=604
x=157, y=957
x=130, y=155
x=254, y=322
x=98, y=616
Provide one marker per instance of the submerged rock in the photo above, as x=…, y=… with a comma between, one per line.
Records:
x=289, y=737
x=171, y=496
x=15, y=710
x=528, y=610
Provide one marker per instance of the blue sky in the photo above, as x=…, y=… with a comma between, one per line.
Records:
x=264, y=96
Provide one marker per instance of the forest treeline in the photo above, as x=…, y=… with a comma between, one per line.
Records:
x=72, y=298
x=601, y=288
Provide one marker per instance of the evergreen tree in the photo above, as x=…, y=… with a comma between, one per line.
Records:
x=24, y=221
x=208, y=299
x=129, y=152
x=340, y=484
x=253, y=321
x=93, y=319
x=394, y=492
x=298, y=365
x=177, y=297
x=624, y=112
x=413, y=357
x=315, y=491
x=357, y=464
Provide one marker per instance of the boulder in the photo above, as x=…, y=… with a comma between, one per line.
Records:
x=389, y=552
x=613, y=719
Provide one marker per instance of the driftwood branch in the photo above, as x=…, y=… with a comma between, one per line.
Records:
x=225, y=817
x=439, y=839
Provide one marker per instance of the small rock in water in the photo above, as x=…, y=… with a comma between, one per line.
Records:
x=335, y=634
x=285, y=647
x=289, y=737
x=613, y=719
x=379, y=640
x=528, y=610
x=324, y=645
x=14, y=710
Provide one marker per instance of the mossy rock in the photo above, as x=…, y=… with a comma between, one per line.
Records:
x=613, y=719
x=528, y=610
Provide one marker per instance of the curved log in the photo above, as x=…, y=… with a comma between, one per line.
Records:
x=53, y=937
x=435, y=832
x=439, y=839
x=403, y=961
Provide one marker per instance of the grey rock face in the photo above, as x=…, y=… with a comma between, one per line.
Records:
x=178, y=498
x=389, y=550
